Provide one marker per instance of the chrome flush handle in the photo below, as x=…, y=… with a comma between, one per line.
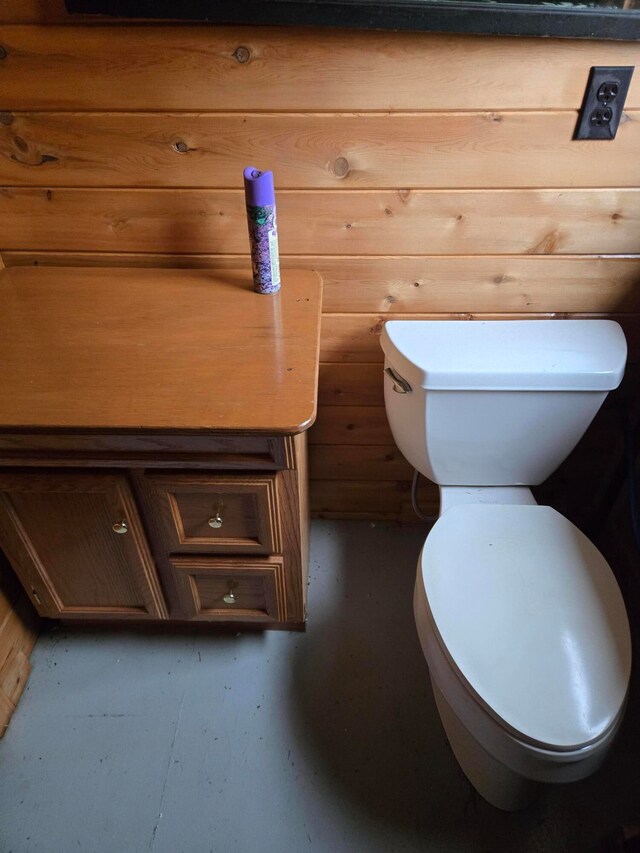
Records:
x=400, y=385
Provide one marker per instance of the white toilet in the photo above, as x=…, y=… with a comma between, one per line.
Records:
x=520, y=618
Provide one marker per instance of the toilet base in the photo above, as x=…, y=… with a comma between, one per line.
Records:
x=494, y=781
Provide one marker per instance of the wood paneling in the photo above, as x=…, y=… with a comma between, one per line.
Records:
x=462, y=196
x=350, y=385
x=196, y=68
x=382, y=499
x=359, y=462
x=18, y=632
x=325, y=222
x=32, y=11
x=482, y=283
x=314, y=151
x=357, y=425
x=356, y=337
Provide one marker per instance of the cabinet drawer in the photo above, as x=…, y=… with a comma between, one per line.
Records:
x=231, y=589
x=217, y=513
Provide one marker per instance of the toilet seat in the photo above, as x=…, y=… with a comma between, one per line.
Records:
x=531, y=620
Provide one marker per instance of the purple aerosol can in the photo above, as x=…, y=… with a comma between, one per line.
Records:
x=263, y=230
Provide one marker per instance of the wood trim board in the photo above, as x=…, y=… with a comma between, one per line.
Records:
x=76, y=67
x=429, y=150
x=325, y=222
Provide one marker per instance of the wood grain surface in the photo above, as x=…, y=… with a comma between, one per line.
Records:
x=257, y=584
x=359, y=462
x=57, y=530
x=19, y=627
x=358, y=425
x=157, y=349
x=480, y=283
x=325, y=222
x=197, y=68
x=385, y=499
x=356, y=337
x=465, y=197
x=312, y=151
x=246, y=507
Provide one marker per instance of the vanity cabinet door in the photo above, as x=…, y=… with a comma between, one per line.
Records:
x=76, y=541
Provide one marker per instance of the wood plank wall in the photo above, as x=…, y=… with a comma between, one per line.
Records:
x=422, y=175
x=19, y=625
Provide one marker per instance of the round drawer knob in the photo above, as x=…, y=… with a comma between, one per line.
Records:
x=229, y=598
x=120, y=527
x=215, y=521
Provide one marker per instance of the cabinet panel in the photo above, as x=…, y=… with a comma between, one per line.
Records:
x=231, y=589
x=77, y=544
x=217, y=513
x=160, y=450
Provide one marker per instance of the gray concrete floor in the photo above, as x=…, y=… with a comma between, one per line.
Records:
x=322, y=741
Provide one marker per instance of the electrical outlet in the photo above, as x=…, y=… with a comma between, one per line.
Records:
x=603, y=102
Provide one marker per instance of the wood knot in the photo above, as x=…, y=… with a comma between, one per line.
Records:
x=44, y=158
x=20, y=144
x=48, y=195
x=340, y=167
x=3, y=52
x=495, y=117
x=180, y=146
x=6, y=119
x=616, y=216
x=242, y=55
x=391, y=299
x=459, y=217
x=548, y=245
x=403, y=195
x=417, y=284
x=388, y=211
x=348, y=225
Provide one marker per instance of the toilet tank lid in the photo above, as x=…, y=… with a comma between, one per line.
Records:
x=543, y=355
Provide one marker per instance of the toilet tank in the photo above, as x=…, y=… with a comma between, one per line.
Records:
x=501, y=402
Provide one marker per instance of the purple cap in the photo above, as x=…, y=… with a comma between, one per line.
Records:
x=258, y=187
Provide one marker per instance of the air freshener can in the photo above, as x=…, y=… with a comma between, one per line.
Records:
x=263, y=229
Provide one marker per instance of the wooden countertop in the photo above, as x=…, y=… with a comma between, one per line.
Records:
x=113, y=348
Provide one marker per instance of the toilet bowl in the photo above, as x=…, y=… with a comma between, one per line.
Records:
x=520, y=618
x=525, y=633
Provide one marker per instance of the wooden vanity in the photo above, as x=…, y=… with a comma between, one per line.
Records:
x=152, y=442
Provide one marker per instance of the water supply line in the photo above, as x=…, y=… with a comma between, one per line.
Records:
x=414, y=500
